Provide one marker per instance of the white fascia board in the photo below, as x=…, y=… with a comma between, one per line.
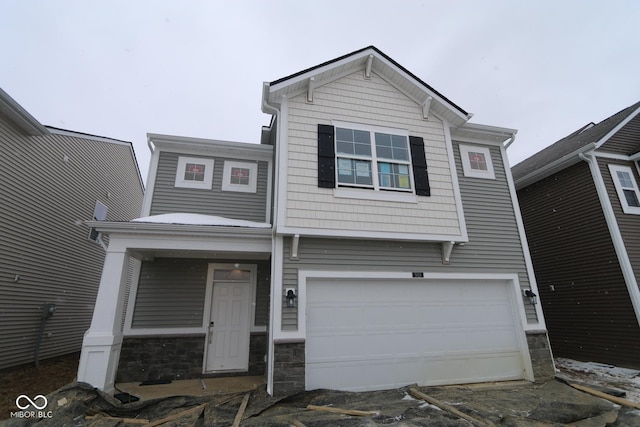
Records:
x=475, y=132
x=355, y=61
x=612, y=156
x=524, y=244
x=374, y=235
x=19, y=116
x=226, y=244
x=183, y=144
x=553, y=167
x=617, y=128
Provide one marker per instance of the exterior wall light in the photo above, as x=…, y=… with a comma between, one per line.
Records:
x=533, y=298
x=291, y=297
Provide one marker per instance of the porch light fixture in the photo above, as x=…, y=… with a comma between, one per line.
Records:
x=533, y=298
x=291, y=297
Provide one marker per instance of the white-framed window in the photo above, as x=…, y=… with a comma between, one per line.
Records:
x=194, y=172
x=240, y=176
x=373, y=157
x=476, y=162
x=627, y=188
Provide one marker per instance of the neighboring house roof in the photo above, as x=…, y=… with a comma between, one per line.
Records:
x=368, y=58
x=584, y=138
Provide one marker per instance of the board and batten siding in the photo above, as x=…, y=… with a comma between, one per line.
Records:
x=167, y=198
x=48, y=187
x=171, y=293
x=369, y=102
x=586, y=306
x=629, y=224
x=493, y=247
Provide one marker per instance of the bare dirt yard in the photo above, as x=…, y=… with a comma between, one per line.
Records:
x=504, y=404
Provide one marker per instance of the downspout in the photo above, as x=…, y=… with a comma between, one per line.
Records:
x=513, y=138
x=614, y=231
x=270, y=109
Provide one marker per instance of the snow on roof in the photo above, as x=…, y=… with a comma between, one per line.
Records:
x=198, y=219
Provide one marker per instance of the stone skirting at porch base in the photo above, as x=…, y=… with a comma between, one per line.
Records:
x=288, y=367
x=541, y=357
x=177, y=357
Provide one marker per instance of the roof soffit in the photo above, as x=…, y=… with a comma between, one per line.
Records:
x=383, y=66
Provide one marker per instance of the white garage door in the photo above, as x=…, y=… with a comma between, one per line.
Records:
x=375, y=335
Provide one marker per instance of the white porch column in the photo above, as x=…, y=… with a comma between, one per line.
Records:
x=103, y=340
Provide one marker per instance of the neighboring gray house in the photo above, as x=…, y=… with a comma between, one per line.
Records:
x=51, y=181
x=581, y=209
x=372, y=240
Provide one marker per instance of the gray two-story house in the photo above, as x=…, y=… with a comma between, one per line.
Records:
x=371, y=240
x=51, y=181
x=581, y=208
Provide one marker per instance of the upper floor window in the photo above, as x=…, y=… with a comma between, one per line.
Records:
x=240, y=176
x=476, y=162
x=627, y=188
x=371, y=157
x=194, y=172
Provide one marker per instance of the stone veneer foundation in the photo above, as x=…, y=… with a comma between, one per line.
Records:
x=177, y=357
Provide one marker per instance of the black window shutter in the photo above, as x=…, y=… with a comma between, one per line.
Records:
x=326, y=157
x=419, y=161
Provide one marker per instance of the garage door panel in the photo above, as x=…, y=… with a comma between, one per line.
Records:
x=374, y=335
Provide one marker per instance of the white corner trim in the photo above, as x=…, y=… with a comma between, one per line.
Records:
x=464, y=237
x=525, y=247
x=282, y=164
x=151, y=184
x=616, y=235
x=275, y=312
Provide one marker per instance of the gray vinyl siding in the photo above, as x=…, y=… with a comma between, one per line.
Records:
x=43, y=240
x=625, y=141
x=493, y=247
x=168, y=198
x=584, y=298
x=629, y=224
x=171, y=293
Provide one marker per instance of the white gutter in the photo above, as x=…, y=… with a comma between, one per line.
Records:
x=553, y=167
x=513, y=138
x=614, y=230
x=150, y=144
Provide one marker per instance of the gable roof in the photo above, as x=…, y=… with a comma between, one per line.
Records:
x=19, y=116
x=583, y=139
x=368, y=57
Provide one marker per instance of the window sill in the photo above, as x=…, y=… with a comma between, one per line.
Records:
x=385, y=196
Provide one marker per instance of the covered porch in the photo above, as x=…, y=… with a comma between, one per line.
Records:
x=179, y=301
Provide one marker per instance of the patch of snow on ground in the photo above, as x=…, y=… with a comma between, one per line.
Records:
x=428, y=405
x=407, y=397
x=603, y=375
x=199, y=219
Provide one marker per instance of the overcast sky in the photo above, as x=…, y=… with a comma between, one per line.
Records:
x=122, y=69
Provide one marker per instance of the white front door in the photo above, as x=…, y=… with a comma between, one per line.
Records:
x=228, y=337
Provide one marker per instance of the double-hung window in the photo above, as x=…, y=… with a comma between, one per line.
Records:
x=627, y=188
x=374, y=158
